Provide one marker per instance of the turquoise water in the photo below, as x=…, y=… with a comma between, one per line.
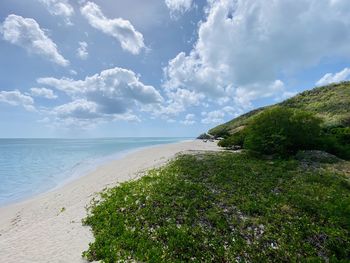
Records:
x=32, y=166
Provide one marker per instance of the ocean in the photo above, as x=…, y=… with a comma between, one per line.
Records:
x=32, y=166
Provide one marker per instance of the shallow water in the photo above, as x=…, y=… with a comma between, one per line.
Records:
x=32, y=166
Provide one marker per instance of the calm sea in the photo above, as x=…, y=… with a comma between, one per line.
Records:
x=32, y=166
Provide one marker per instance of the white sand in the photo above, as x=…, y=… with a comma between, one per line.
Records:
x=37, y=230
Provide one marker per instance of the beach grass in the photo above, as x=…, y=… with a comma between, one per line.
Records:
x=226, y=207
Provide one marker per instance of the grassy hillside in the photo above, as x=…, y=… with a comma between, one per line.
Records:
x=331, y=103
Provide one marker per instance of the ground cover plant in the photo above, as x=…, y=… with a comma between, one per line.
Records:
x=226, y=207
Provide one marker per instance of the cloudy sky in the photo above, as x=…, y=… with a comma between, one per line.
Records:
x=160, y=67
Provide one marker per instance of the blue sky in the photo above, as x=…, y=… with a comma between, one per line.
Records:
x=160, y=67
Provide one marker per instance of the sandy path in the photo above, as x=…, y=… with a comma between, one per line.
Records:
x=48, y=228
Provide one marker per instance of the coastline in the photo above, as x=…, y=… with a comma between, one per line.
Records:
x=99, y=162
x=44, y=174
x=47, y=227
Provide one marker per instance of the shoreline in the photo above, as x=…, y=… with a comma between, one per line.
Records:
x=83, y=171
x=47, y=227
x=80, y=169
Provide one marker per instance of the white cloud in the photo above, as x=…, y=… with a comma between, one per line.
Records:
x=232, y=111
x=334, y=77
x=43, y=92
x=243, y=95
x=245, y=46
x=79, y=109
x=26, y=33
x=178, y=6
x=184, y=98
x=213, y=117
x=122, y=30
x=189, y=119
x=59, y=8
x=16, y=98
x=83, y=114
x=177, y=101
x=82, y=52
x=184, y=72
x=111, y=94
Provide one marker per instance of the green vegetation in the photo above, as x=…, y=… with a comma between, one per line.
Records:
x=330, y=103
x=282, y=131
x=318, y=119
x=236, y=139
x=227, y=207
x=61, y=211
x=204, y=136
x=336, y=141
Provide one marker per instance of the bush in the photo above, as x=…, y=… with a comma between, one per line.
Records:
x=334, y=144
x=342, y=134
x=283, y=131
x=204, y=136
x=222, y=134
x=236, y=139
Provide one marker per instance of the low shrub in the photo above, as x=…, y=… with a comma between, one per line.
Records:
x=342, y=134
x=334, y=144
x=222, y=134
x=236, y=139
x=204, y=136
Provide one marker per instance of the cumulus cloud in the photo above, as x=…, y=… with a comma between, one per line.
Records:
x=59, y=8
x=245, y=46
x=334, y=77
x=178, y=6
x=82, y=52
x=177, y=101
x=213, y=117
x=26, y=33
x=43, y=92
x=180, y=99
x=232, y=111
x=122, y=30
x=83, y=114
x=16, y=98
x=189, y=119
x=111, y=94
x=79, y=109
x=243, y=95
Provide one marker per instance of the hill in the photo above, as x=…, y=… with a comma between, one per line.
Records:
x=331, y=103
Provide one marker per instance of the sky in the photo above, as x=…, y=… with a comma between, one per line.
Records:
x=173, y=68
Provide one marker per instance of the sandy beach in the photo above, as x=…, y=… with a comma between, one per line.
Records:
x=47, y=228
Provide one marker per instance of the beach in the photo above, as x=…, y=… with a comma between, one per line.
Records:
x=48, y=228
